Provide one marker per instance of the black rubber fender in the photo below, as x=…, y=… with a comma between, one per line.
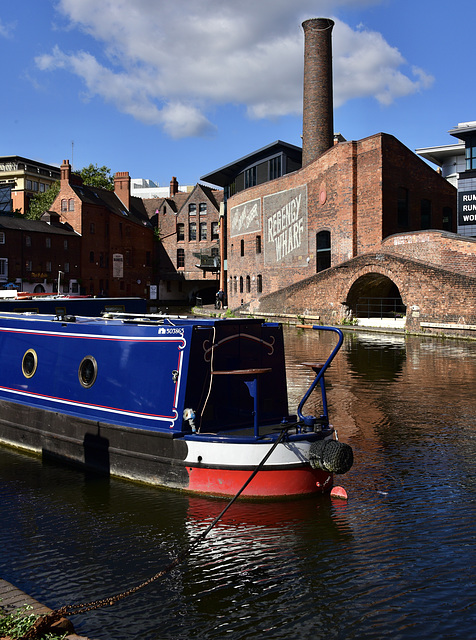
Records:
x=331, y=455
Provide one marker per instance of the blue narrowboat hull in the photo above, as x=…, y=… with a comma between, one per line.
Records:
x=182, y=403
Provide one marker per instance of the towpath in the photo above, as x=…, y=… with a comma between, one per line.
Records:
x=12, y=598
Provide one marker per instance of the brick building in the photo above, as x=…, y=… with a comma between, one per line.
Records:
x=117, y=238
x=34, y=252
x=188, y=254
x=344, y=200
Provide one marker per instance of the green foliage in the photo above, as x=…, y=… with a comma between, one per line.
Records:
x=42, y=202
x=17, y=623
x=95, y=176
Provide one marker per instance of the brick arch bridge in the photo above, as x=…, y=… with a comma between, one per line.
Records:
x=431, y=295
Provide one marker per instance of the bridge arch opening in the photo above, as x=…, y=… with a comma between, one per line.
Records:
x=374, y=295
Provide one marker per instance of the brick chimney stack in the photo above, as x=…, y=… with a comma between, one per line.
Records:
x=173, y=187
x=318, y=109
x=122, y=187
x=65, y=172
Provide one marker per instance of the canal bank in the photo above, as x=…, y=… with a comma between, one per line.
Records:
x=395, y=327
x=12, y=599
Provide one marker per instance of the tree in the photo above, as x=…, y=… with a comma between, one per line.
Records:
x=95, y=176
x=42, y=202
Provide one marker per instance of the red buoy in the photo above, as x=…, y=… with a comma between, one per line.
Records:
x=339, y=492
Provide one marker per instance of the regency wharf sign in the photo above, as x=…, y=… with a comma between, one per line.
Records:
x=285, y=227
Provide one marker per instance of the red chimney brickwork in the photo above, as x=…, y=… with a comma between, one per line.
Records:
x=318, y=117
x=122, y=187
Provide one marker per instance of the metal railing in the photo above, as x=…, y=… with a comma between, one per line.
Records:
x=380, y=308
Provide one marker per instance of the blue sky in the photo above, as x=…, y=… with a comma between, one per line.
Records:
x=161, y=88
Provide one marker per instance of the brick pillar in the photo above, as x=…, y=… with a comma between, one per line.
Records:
x=65, y=172
x=173, y=187
x=318, y=117
x=122, y=187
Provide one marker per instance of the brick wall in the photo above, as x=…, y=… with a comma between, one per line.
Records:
x=352, y=192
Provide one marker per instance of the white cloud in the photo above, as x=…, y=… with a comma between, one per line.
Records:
x=170, y=63
x=6, y=29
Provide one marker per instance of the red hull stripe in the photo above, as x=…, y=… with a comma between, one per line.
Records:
x=266, y=484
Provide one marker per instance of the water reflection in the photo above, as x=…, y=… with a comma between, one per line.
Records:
x=395, y=561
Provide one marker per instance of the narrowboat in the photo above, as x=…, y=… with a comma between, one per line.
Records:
x=51, y=303
x=187, y=403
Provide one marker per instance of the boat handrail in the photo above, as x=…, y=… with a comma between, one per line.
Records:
x=320, y=369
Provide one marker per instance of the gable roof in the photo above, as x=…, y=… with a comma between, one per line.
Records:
x=34, y=226
x=108, y=199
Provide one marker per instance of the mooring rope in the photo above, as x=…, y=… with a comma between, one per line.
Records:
x=44, y=622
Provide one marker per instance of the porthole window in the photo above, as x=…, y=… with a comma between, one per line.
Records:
x=29, y=363
x=88, y=371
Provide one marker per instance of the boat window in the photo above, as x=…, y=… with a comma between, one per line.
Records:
x=29, y=364
x=88, y=370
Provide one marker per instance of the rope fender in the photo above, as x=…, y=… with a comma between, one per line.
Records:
x=331, y=455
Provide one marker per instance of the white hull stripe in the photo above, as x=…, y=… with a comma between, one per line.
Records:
x=94, y=336
x=95, y=407
x=247, y=455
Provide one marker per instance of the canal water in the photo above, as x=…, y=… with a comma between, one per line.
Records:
x=397, y=560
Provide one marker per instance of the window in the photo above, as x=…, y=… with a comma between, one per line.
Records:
x=192, y=209
x=34, y=186
x=101, y=264
x=48, y=243
x=65, y=245
x=259, y=283
x=250, y=177
x=4, y=267
x=128, y=258
x=28, y=185
x=192, y=231
x=425, y=214
x=275, y=168
x=28, y=241
x=48, y=266
x=242, y=248
x=2, y=237
x=323, y=250
x=470, y=153
x=402, y=207
x=66, y=267
x=64, y=205
x=29, y=265
x=92, y=228
x=235, y=284
x=180, y=258
x=241, y=284
x=248, y=284
x=42, y=187
x=258, y=244
x=447, y=218
x=202, y=208
x=214, y=252
x=180, y=231
x=91, y=256
x=71, y=204
x=215, y=231
x=203, y=230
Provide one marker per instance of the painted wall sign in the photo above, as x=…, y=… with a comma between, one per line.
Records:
x=466, y=207
x=245, y=218
x=285, y=227
x=117, y=265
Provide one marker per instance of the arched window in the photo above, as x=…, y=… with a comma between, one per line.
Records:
x=248, y=284
x=241, y=284
x=259, y=283
x=71, y=204
x=242, y=247
x=323, y=250
x=64, y=205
